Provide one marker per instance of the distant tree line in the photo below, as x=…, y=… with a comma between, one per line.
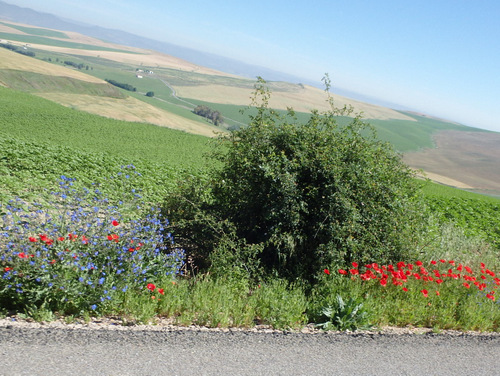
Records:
x=17, y=49
x=214, y=116
x=121, y=85
x=73, y=64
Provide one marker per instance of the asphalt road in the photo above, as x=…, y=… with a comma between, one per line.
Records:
x=60, y=351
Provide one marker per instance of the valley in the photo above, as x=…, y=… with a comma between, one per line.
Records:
x=449, y=153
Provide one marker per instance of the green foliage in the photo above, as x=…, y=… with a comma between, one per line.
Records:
x=310, y=194
x=344, y=315
x=476, y=216
x=19, y=50
x=27, y=167
x=214, y=116
x=78, y=253
x=150, y=94
x=121, y=85
x=73, y=64
x=234, y=301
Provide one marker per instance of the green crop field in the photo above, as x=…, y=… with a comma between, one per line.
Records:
x=404, y=135
x=35, y=39
x=36, y=82
x=39, y=119
x=37, y=31
x=409, y=135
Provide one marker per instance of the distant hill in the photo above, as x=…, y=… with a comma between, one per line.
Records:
x=29, y=16
x=463, y=157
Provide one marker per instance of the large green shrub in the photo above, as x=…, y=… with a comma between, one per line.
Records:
x=310, y=195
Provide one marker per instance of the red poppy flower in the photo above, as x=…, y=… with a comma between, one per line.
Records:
x=115, y=223
x=425, y=292
x=326, y=271
x=383, y=282
x=32, y=239
x=151, y=287
x=490, y=296
x=466, y=285
x=354, y=271
x=46, y=239
x=22, y=255
x=405, y=289
x=433, y=262
x=354, y=264
x=343, y=272
x=437, y=293
x=419, y=263
x=161, y=291
x=7, y=269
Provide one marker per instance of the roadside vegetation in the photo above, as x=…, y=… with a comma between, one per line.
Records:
x=281, y=223
x=296, y=218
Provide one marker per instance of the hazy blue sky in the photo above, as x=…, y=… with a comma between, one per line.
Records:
x=438, y=56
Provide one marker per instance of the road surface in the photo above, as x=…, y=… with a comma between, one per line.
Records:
x=62, y=351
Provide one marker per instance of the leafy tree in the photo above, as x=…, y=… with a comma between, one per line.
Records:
x=150, y=94
x=309, y=195
x=121, y=85
x=214, y=116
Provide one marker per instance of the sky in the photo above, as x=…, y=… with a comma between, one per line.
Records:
x=440, y=57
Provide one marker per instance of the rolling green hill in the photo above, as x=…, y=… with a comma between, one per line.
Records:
x=408, y=134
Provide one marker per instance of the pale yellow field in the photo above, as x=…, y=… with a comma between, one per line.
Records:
x=444, y=180
x=140, y=58
x=15, y=61
x=130, y=109
x=301, y=98
x=467, y=160
x=10, y=30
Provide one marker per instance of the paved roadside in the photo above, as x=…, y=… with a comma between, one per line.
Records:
x=165, y=351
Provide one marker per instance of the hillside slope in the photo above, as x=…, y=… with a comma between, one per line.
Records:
x=465, y=157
